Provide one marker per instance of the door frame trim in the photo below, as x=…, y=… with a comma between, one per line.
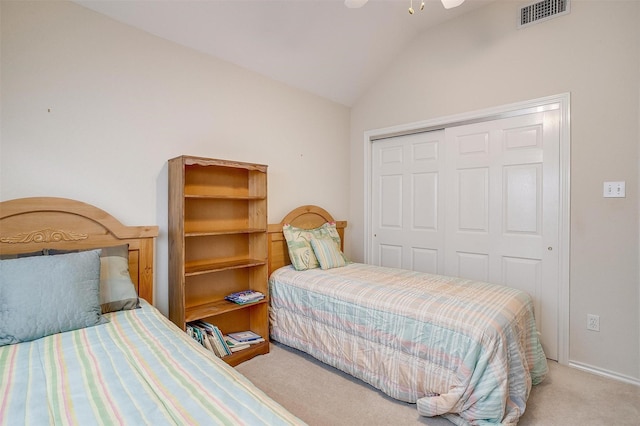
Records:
x=562, y=103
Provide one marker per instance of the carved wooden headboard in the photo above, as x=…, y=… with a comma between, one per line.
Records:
x=32, y=224
x=306, y=217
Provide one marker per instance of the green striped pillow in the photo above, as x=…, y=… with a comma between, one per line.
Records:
x=299, y=243
x=328, y=253
x=299, y=246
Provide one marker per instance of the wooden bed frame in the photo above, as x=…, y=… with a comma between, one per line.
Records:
x=306, y=217
x=32, y=224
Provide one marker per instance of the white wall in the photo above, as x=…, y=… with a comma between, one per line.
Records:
x=122, y=102
x=480, y=61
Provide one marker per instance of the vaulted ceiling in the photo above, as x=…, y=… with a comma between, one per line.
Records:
x=319, y=46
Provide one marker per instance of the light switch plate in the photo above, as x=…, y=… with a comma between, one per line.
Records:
x=614, y=190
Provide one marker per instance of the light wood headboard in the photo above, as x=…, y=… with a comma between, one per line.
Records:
x=306, y=217
x=32, y=224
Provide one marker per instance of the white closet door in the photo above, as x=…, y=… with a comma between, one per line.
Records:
x=407, y=212
x=502, y=191
x=478, y=201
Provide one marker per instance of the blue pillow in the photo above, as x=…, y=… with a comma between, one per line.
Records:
x=44, y=295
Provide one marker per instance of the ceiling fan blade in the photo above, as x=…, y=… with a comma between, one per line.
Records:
x=354, y=4
x=450, y=4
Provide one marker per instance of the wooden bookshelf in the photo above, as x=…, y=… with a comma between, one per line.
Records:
x=218, y=246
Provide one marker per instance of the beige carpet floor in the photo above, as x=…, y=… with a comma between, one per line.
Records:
x=321, y=395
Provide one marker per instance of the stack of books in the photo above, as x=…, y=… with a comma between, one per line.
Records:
x=234, y=345
x=209, y=336
x=244, y=297
x=246, y=337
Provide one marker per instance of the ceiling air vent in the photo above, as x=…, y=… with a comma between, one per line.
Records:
x=542, y=11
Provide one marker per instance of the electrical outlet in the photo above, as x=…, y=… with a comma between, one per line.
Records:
x=593, y=322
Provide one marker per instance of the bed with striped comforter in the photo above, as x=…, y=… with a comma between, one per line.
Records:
x=138, y=369
x=463, y=349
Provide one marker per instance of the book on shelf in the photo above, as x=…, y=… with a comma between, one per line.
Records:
x=209, y=336
x=218, y=349
x=195, y=333
x=222, y=343
x=234, y=345
x=244, y=297
x=208, y=344
x=246, y=337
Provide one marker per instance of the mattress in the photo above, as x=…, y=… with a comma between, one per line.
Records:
x=463, y=349
x=137, y=369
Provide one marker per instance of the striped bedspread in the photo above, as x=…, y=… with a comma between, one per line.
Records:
x=463, y=349
x=138, y=369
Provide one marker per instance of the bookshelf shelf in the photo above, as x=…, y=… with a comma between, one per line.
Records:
x=223, y=197
x=217, y=307
x=216, y=266
x=246, y=354
x=223, y=232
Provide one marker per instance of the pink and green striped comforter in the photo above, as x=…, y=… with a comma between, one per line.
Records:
x=138, y=369
x=463, y=349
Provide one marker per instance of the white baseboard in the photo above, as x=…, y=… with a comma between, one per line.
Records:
x=606, y=373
